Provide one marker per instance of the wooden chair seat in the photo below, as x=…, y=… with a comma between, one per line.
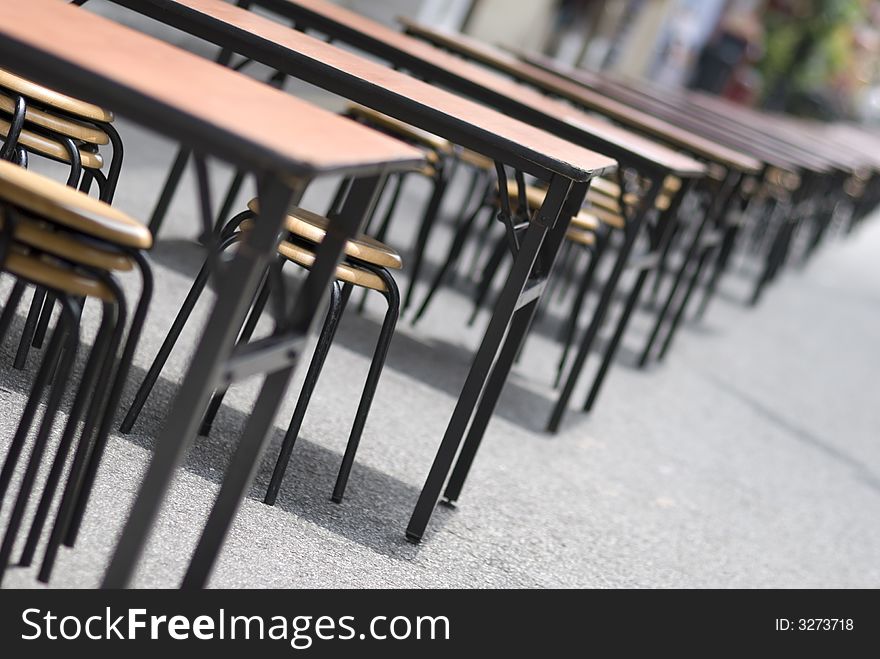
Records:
x=53, y=99
x=587, y=220
x=69, y=127
x=604, y=186
x=51, y=148
x=671, y=185
x=613, y=219
x=400, y=128
x=43, y=272
x=603, y=201
x=346, y=272
x=581, y=237
x=313, y=228
x=661, y=202
x=50, y=200
x=44, y=238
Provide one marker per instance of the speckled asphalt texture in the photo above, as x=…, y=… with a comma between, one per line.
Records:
x=750, y=458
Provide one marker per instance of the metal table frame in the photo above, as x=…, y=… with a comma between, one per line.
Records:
x=280, y=182
x=169, y=12
x=534, y=252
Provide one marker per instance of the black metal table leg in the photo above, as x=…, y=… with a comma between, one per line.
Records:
x=660, y=239
x=429, y=219
x=475, y=384
x=513, y=345
x=240, y=279
x=633, y=230
x=716, y=206
x=519, y=327
x=239, y=475
x=245, y=461
x=718, y=218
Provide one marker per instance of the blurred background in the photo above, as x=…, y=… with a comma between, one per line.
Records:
x=815, y=58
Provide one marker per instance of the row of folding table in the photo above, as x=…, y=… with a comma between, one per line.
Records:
x=285, y=143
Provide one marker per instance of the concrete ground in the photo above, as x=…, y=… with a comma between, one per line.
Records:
x=750, y=458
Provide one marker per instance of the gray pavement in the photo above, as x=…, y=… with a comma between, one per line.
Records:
x=750, y=458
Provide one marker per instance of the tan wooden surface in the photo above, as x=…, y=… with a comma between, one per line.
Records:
x=69, y=127
x=49, y=199
x=313, y=227
x=51, y=98
x=48, y=147
x=204, y=96
x=475, y=119
x=43, y=273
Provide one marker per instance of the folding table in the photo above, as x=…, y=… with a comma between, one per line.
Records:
x=220, y=113
x=353, y=77
x=567, y=167
x=819, y=166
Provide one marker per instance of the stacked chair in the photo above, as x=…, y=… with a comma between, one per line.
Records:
x=367, y=266
x=71, y=248
x=37, y=121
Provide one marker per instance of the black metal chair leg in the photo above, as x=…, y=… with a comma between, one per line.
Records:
x=45, y=318
x=183, y=315
x=382, y=229
x=774, y=259
x=385, y=223
x=388, y=324
x=429, y=219
x=85, y=183
x=30, y=409
x=168, y=190
x=338, y=299
x=559, y=284
x=228, y=201
x=246, y=333
x=586, y=283
x=482, y=238
x=461, y=236
x=488, y=275
x=682, y=307
x=30, y=327
x=93, y=368
x=70, y=332
x=662, y=265
x=86, y=480
x=614, y=343
x=691, y=253
x=11, y=307
x=721, y=262
x=93, y=416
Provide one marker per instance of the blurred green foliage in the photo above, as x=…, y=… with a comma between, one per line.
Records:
x=807, y=44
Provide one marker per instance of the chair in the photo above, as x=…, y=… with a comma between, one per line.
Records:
x=36, y=120
x=71, y=245
x=444, y=158
x=366, y=266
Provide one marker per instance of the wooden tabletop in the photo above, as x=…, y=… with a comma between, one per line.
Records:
x=576, y=93
x=779, y=140
x=202, y=104
x=466, y=78
x=856, y=138
x=761, y=132
x=451, y=116
x=702, y=122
